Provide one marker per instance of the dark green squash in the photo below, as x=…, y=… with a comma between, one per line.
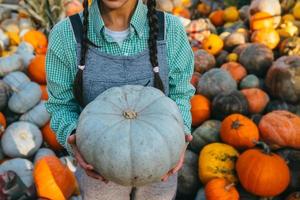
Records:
x=276, y=105
x=250, y=81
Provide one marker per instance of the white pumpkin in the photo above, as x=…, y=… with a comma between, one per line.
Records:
x=70, y=162
x=22, y=167
x=10, y=64
x=25, y=98
x=26, y=52
x=21, y=139
x=38, y=115
x=15, y=79
x=43, y=152
x=132, y=135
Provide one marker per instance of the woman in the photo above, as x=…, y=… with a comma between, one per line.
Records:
x=114, y=43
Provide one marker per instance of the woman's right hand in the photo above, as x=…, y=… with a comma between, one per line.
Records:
x=89, y=169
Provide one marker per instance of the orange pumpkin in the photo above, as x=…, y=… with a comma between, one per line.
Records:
x=37, y=69
x=217, y=17
x=2, y=123
x=236, y=70
x=204, y=9
x=53, y=180
x=200, y=109
x=257, y=99
x=50, y=137
x=239, y=131
x=44, y=92
x=268, y=37
x=280, y=129
x=220, y=189
x=213, y=44
x=262, y=173
x=38, y=40
x=261, y=20
x=183, y=12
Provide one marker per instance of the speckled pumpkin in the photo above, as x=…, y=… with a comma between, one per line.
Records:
x=217, y=160
x=204, y=61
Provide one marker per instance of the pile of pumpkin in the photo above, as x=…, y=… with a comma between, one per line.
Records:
x=28, y=145
x=245, y=113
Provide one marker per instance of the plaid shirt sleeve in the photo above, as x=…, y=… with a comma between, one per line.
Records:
x=61, y=104
x=181, y=62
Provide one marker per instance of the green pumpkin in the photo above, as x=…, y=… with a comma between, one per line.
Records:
x=250, y=81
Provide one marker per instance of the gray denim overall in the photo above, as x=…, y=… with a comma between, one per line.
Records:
x=103, y=71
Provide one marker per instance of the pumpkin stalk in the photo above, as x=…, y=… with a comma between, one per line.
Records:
x=266, y=148
x=227, y=187
x=129, y=114
x=236, y=124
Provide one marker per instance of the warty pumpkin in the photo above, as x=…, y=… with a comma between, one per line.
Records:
x=257, y=99
x=200, y=109
x=236, y=70
x=53, y=180
x=217, y=160
x=221, y=189
x=239, y=131
x=50, y=137
x=37, y=69
x=262, y=173
x=131, y=111
x=280, y=129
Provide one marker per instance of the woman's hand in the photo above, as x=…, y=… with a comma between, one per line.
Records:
x=89, y=169
x=188, y=138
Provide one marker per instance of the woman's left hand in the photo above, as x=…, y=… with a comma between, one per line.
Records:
x=188, y=138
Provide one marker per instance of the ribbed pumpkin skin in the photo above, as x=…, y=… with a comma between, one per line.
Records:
x=220, y=189
x=262, y=174
x=38, y=115
x=131, y=152
x=200, y=109
x=283, y=80
x=16, y=79
x=281, y=129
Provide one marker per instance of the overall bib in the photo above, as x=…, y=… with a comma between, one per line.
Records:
x=103, y=71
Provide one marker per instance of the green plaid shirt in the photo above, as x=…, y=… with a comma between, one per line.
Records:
x=61, y=64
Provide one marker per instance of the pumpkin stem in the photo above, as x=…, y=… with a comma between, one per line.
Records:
x=236, y=124
x=129, y=114
x=265, y=147
x=227, y=187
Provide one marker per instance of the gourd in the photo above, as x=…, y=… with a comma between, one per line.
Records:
x=16, y=79
x=107, y=126
x=239, y=131
x=280, y=129
x=222, y=82
x=268, y=37
x=25, y=98
x=217, y=160
x=257, y=59
x=262, y=173
x=220, y=189
x=257, y=99
x=50, y=138
x=188, y=182
x=42, y=152
x=250, y=81
x=208, y=132
x=5, y=93
x=225, y=104
x=10, y=64
x=203, y=61
x=21, y=139
x=213, y=44
x=37, y=69
x=53, y=180
x=282, y=79
x=38, y=115
x=22, y=167
x=200, y=109
x=236, y=70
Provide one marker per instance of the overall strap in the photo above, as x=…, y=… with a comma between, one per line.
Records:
x=161, y=25
x=77, y=27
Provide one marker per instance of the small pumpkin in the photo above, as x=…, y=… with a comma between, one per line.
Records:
x=257, y=59
x=5, y=93
x=226, y=104
x=37, y=69
x=38, y=115
x=236, y=70
x=21, y=139
x=261, y=20
x=26, y=52
x=42, y=152
x=44, y=92
x=188, y=182
x=10, y=64
x=50, y=138
x=200, y=109
x=235, y=39
x=25, y=98
x=262, y=173
x=239, y=131
x=213, y=44
x=208, y=132
x=217, y=160
x=222, y=82
x=280, y=129
x=282, y=79
x=268, y=37
x=203, y=61
x=16, y=79
x=250, y=81
x=53, y=180
x=2, y=123
x=231, y=14
x=22, y=167
x=217, y=17
x=38, y=40
x=294, y=196
x=257, y=99
x=220, y=189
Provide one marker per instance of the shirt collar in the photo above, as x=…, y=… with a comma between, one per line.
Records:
x=138, y=20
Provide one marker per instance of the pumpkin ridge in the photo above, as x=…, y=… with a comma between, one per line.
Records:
x=149, y=104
